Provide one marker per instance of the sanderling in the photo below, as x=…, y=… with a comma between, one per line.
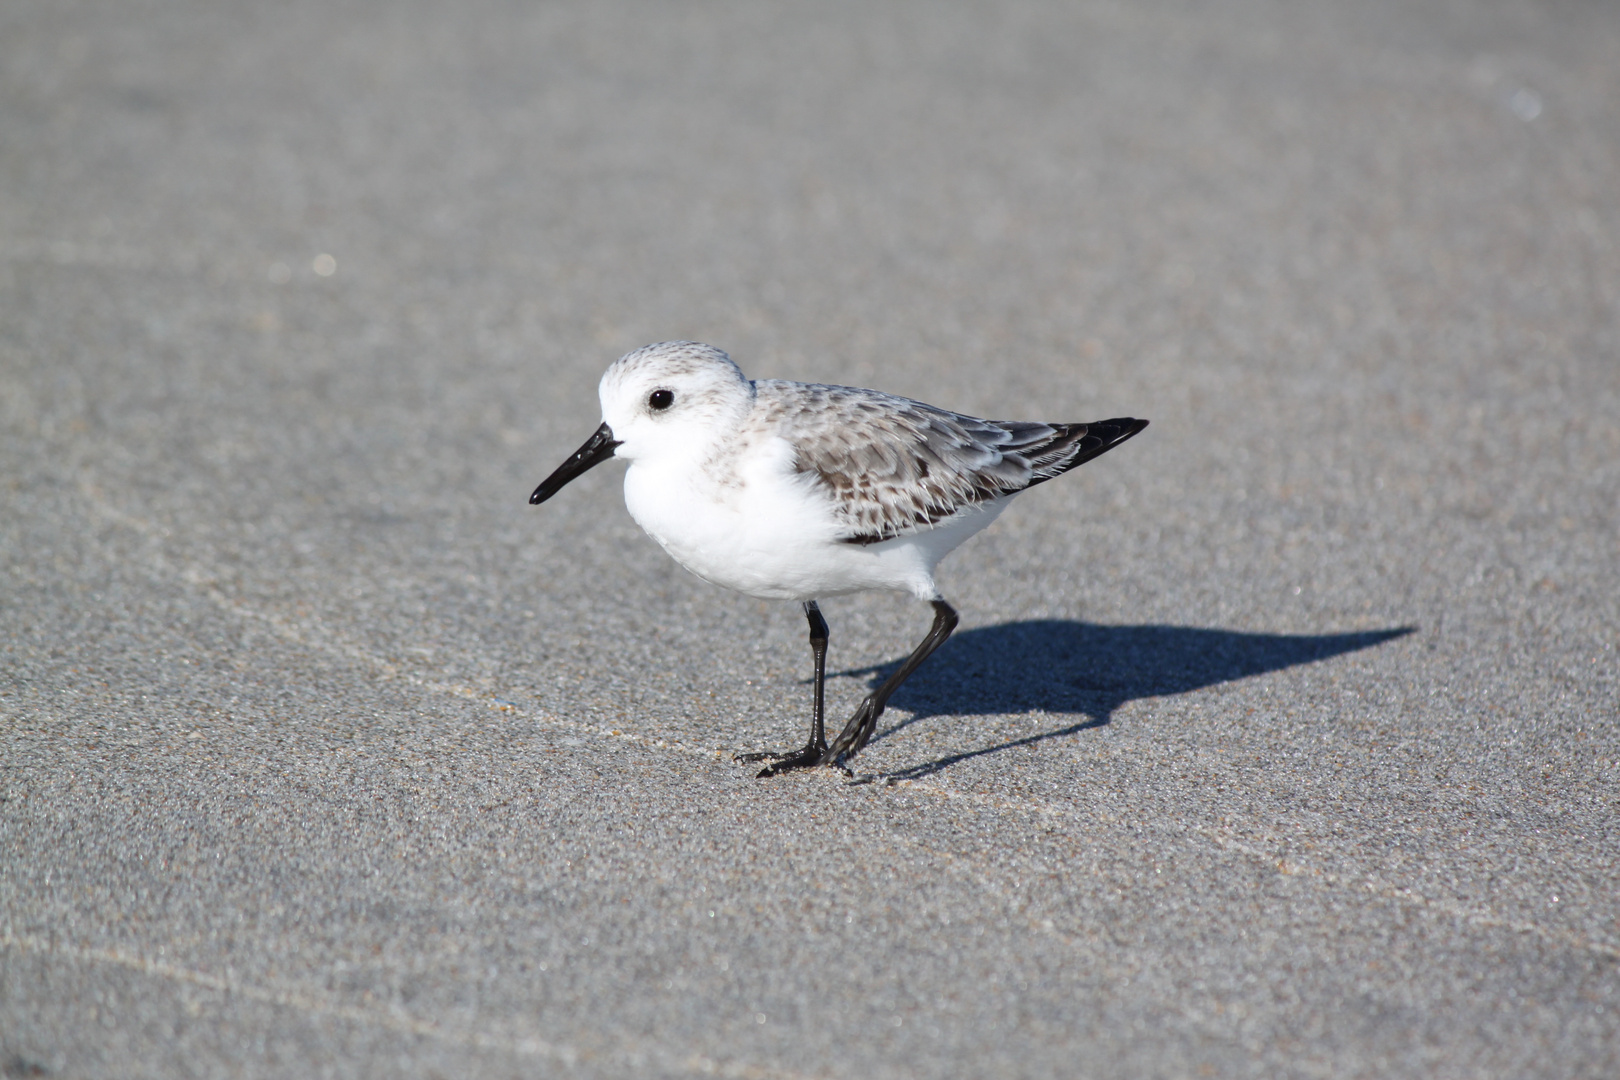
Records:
x=797, y=491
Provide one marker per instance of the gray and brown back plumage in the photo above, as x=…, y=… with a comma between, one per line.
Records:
x=894, y=466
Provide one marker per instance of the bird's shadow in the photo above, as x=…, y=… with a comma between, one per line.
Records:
x=1086, y=670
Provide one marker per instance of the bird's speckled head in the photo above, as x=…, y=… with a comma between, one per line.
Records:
x=672, y=395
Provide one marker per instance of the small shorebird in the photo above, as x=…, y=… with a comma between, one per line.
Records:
x=798, y=491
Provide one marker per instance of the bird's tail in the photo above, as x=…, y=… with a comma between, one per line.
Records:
x=1072, y=445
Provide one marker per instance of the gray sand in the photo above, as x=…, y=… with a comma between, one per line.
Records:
x=1280, y=742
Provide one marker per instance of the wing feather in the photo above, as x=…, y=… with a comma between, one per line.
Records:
x=893, y=466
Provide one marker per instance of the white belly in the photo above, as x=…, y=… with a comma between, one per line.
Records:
x=771, y=534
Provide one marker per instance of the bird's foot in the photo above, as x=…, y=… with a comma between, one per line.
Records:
x=809, y=757
x=856, y=733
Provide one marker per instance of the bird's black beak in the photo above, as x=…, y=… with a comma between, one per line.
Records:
x=597, y=449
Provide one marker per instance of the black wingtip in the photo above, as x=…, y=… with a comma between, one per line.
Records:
x=1115, y=431
x=1102, y=436
x=1071, y=445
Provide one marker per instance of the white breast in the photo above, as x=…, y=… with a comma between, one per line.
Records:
x=753, y=524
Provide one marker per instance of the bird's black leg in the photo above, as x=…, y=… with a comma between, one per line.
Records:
x=860, y=726
x=817, y=746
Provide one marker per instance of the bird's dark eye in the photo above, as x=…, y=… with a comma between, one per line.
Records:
x=660, y=400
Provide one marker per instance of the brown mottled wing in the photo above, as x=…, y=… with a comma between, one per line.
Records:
x=894, y=466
